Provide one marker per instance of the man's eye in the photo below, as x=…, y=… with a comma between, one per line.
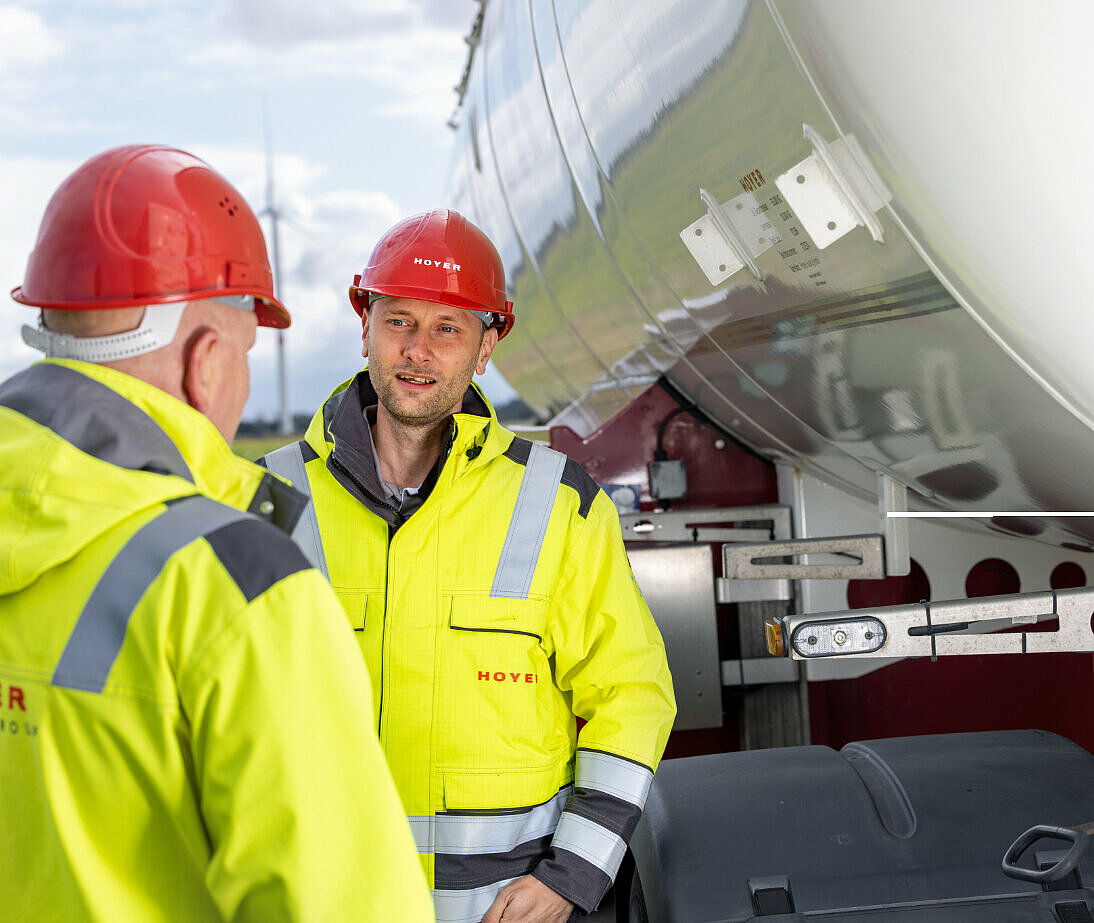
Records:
x=447, y=329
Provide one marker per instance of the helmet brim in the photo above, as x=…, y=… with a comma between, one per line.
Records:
x=268, y=310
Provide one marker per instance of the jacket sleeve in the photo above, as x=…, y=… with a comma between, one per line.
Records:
x=303, y=817
x=610, y=658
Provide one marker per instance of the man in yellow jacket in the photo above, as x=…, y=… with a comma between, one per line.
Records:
x=184, y=728
x=487, y=582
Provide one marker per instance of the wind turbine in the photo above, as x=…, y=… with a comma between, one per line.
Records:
x=285, y=423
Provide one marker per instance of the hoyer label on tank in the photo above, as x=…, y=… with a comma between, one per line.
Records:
x=750, y=182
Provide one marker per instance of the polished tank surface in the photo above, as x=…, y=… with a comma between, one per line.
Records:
x=940, y=340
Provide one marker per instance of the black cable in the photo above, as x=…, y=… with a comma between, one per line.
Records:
x=659, y=453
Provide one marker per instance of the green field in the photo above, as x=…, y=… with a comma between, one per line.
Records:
x=252, y=447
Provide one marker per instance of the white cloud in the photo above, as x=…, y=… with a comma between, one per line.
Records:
x=25, y=39
x=289, y=22
x=26, y=184
x=358, y=99
x=245, y=167
x=405, y=56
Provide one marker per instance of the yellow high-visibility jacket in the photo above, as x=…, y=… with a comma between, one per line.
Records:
x=501, y=609
x=184, y=724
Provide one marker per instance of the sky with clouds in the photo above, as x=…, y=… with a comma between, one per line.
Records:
x=356, y=94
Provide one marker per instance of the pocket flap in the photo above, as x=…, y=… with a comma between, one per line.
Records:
x=488, y=613
x=503, y=790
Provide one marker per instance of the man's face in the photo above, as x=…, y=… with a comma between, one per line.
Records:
x=421, y=357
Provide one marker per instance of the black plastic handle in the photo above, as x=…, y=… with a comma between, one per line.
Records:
x=1078, y=837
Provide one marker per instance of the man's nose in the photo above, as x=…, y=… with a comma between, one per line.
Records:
x=416, y=345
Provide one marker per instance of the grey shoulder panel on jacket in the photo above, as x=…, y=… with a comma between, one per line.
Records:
x=574, y=475
x=256, y=555
x=93, y=418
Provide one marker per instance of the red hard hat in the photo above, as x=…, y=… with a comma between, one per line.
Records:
x=147, y=224
x=441, y=257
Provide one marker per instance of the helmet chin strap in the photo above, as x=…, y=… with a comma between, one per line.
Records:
x=157, y=328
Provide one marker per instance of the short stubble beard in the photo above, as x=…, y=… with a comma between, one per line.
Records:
x=434, y=411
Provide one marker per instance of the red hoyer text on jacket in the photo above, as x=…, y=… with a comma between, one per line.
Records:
x=500, y=677
x=15, y=697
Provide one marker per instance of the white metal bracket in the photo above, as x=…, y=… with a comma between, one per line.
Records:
x=713, y=525
x=729, y=236
x=892, y=497
x=720, y=525
x=834, y=190
x=861, y=554
x=933, y=630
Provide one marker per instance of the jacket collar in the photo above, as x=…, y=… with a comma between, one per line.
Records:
x=129, y=423
x=340, y=435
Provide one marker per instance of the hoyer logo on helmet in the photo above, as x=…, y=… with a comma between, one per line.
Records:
x=440, y=264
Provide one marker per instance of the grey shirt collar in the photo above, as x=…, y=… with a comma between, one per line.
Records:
x=391, y=491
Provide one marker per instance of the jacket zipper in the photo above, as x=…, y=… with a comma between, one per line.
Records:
x=368, y=493
x=383, y=625
x=400, y=521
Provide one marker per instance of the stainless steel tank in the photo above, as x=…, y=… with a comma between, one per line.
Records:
x=903, y=191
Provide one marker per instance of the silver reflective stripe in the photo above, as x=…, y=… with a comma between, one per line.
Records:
x=288, y=461
x=595, y=844
x=528, y=526
x=468, y=906
x=606, y=773
x=478, y=834
x=101, y=423
x=94, y=644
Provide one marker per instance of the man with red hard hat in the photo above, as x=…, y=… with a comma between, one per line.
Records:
x=184, y=728
x=487, y=582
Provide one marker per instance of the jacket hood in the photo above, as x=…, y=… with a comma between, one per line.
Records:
x=86, y=447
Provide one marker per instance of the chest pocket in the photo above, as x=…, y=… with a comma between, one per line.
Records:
x=498, y=690
x=487, y=614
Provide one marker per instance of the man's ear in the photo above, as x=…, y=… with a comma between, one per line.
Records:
x=364, y=334
x=489, y=341
x=200, y=372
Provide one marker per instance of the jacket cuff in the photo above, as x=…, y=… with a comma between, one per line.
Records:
x=592, y=835
x=579, y=881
